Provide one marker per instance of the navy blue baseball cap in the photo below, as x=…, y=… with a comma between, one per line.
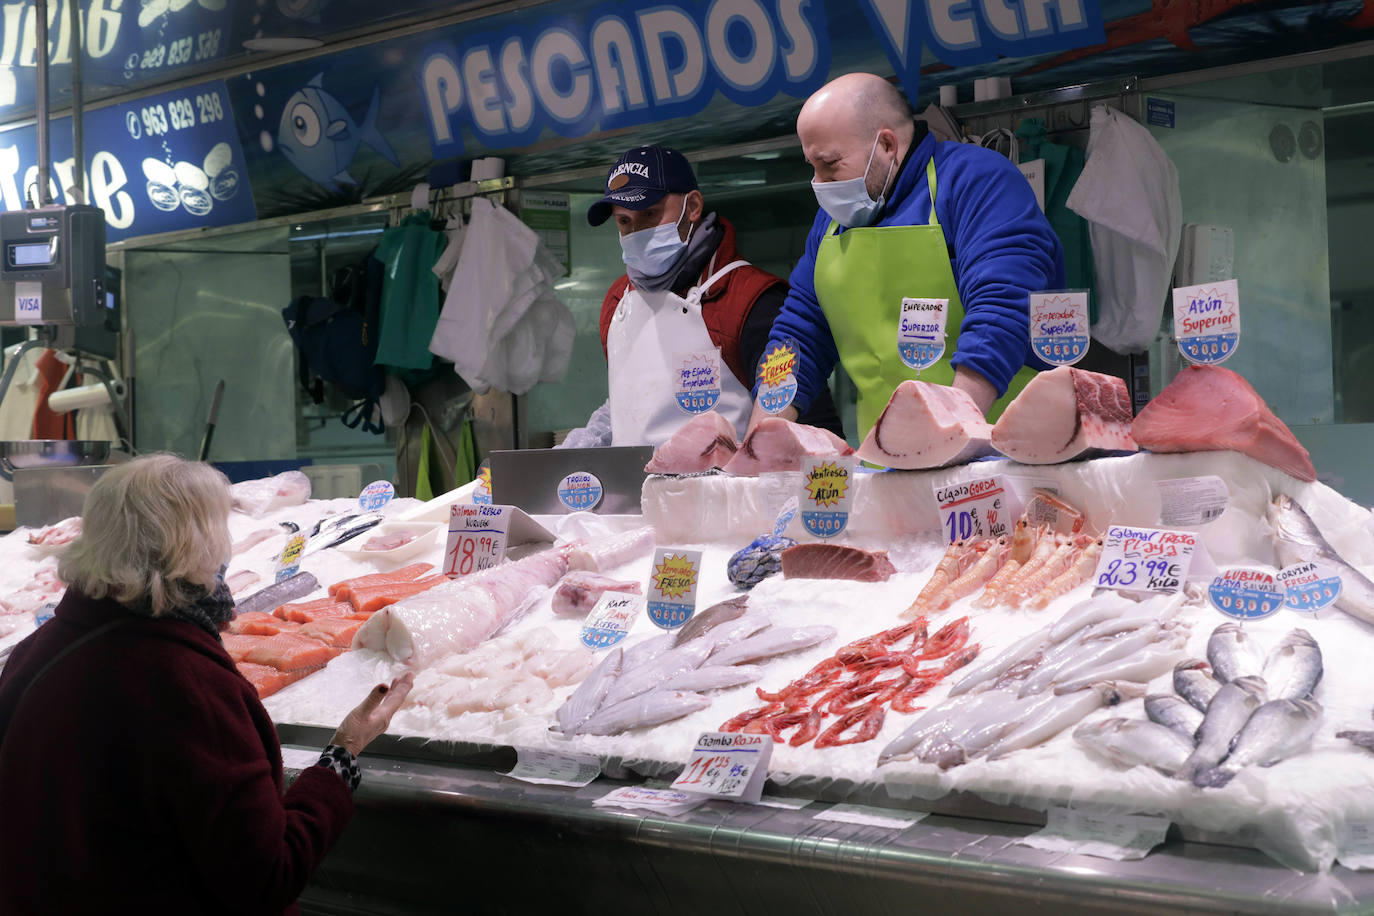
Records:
x=641, y=178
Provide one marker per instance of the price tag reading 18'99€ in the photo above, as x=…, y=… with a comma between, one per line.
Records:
x=974, y=510
x=727, y=765
x=827, y=493
x=673, y=586
x=1144, y=559
x=476, y=539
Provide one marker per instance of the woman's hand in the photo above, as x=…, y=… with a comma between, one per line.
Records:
x=372, y=715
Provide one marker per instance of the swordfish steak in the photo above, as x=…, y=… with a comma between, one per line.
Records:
x=1063, y=414
x=927, y=426
x=776, y=444
x=706, y=441
x=1208, y=408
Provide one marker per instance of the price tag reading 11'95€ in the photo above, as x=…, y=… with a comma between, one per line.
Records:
x=476, y=539
x=727, y=765
x=1144, y=559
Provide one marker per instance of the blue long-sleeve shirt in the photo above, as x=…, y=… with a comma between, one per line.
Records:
x=1002, y=249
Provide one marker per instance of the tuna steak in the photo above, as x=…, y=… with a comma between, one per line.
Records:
x=1208, y=408
x=704, y=442
x=1063, y=414
x=836, y=561
x=927, y=426
x=776, y=444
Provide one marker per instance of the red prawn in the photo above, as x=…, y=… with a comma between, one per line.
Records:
x=869, y=719
x=745, y=718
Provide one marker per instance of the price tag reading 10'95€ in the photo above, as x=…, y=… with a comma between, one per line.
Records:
x=974, y=510
x=476, y=539
x=1144, y=559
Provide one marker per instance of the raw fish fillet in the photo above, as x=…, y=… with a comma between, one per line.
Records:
x=269, y=680
x=240, y=580
x=389, y=541
x=836, y=561
x=605, y=554
x=306, y=611
x=237, y=645
x=259, y=497
x=704, y=442
x=253, y=539
x=341, y=590
x=257, y=623
x=578, y=592
x=458, y=614
x=776, y=444
x=332, y=631
x=375, y=597
x=1208, y=408
x=1064, y=413
x=287, y=651
x=927, y=426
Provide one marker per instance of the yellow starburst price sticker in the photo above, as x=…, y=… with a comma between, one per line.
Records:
x=672, y=592
x=827, y=492
x=777, y=376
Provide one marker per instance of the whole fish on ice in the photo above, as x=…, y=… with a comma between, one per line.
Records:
x=1174, y=713
x=714, y=677
x=1297, y=539
x=651, y=675
x=1058, y=713
x=771, y=642
x=1293, y=667
x=590, y=694
x=653, y=708
x=1194, y=682
x=1233, y=653
x=708, y=620
x=1130, y=742
x=1276, y=731
x=1227, y=714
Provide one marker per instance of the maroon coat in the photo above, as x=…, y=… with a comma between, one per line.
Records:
x=143, y=775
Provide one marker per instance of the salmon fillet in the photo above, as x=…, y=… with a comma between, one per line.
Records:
x=288, y=652
x=267, y=680
x=238, y=645
x=373, y=598
x=333, y=631
x=315, y=610
x=256, y=623
x=340, y=591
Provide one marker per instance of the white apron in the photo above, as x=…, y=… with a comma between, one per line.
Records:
x=650, y=338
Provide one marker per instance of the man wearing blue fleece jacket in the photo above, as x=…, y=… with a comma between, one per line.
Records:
x=905, y=220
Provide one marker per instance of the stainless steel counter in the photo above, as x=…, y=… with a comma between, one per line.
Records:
x=435, y=837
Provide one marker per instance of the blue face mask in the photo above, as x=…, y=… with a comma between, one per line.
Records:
x=848, y=202
x=654, y=251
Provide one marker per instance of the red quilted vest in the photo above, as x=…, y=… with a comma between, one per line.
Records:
x=724, y=308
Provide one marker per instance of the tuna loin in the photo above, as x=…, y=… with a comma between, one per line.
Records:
x=1064, y=413
x=836, y=561
x=776, y=444
x=704, y=442
x=927, y=426
x=1208, y=408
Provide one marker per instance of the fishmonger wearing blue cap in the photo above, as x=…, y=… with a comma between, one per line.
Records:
x=683, y=330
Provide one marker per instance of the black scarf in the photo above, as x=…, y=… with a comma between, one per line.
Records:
x=211, y=610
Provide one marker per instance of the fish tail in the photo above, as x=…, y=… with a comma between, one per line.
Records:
x=369, y=133
x=1213, y=777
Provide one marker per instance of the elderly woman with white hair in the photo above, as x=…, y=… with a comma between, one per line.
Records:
x=139, y=771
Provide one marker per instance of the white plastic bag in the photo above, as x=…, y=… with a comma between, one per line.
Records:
x=268, y=494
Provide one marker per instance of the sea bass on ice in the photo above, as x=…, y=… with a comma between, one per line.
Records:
x=1293, y=667
x=1276, y=731
x=1130, y=742
x=1227, y=714
x=1297, y=539
x=1233, y=653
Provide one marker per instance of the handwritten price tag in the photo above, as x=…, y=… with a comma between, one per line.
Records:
x=1144, y=559
x=546, y=768
x=827, y=493
x=975, y=510
x=698, y=381
x=1245, y=594
x=289, y=563
x=476, y=539
x=1309, y=587
x=1059, y=326
x=727, y=765
x=672, y=590
x=921, y=332
x=1207, y=321
x=660, y=801
x=610, y=621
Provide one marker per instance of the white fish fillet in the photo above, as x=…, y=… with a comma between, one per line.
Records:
x=1064, y=413
x=773, y=641
x=927, y=426
x=605, y=554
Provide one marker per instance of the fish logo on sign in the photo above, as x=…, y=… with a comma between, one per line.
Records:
x=698, y=381
x=320, y=138
x=921, y=332
x=1059, y=326
x=1207, y=321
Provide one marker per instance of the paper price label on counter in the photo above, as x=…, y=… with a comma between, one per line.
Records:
x=777, y=376
x=1192, y=500
x=921, y=332
x=666, y=802
x=1309, y=587
x=481, y=494
x=1357, y=846
x=476, y=539
x=1059, y=326
x=865, y=816
x=727, y=765
x=1106, y=836
x=974, y=510
x=698, y=381
x=610, y=621
x=672, y=593
x=1144, y=559
x=546, y=768
x=826, y=495
x=1245, y=594
x=580, y=490
x=289, y=562
x=375, y=495
x=1207, y=321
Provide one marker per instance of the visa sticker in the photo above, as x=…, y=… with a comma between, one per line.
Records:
x=375, y=495
x=1245, y=594
x=827, y=494
x=672, y=593
x=580, y=491
x=698, y=381
x=1207, y=321
x=1059, y=326
x=777, y=377
x=28, y=303
x=921, y=332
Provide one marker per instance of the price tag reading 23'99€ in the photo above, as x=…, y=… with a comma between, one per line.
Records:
x=727, y=765
x=476, y=539
x=1144, y=559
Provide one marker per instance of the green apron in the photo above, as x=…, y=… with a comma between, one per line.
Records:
x=861, y=277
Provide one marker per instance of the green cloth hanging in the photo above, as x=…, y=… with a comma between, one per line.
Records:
x=424, y=488
x=429, y=475
x=467, y=455
x=410, y=293
x=1063, y=165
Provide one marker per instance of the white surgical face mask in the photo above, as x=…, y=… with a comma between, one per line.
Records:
x=652, y=252
x=848, y=201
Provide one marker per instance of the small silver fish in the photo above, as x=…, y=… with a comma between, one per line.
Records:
x=1174, y=713
x=1276, y=731
x=1293, y=667
x=1363, y=739
x=1297, y=539
x=712, y=617
x=646, y=650
x=651, y=675
x=1227, y=714
x=714, y=677
x=1130, y=742
x=1194, y=682
x=1233, y=653
x=772, y=641
x=1049, y=719
x=590, y=694
x=653, y=708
